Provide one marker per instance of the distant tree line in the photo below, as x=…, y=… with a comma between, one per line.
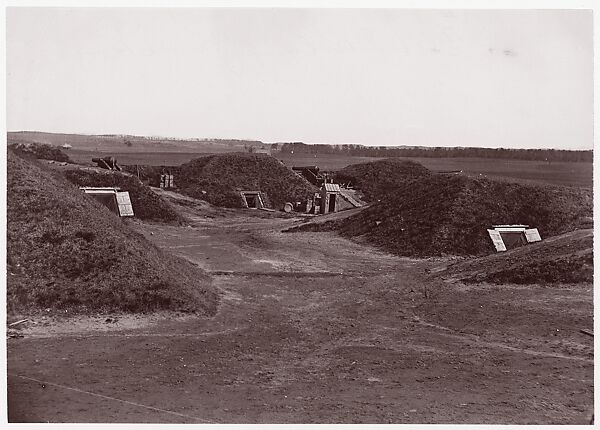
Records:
x=385, y=151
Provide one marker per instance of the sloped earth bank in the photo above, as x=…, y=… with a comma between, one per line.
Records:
x=314, y=328
x=566, y=258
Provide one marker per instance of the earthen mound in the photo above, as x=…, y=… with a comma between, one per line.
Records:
x=67, y=251
x=219, y=178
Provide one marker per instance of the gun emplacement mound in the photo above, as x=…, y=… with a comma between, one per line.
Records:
x=567, y=258
x=219, y=178
x=67, y=251
x=442, y=214
x=376, y=178
x=147, y=205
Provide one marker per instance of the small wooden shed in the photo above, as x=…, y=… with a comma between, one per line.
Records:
x=330, y=194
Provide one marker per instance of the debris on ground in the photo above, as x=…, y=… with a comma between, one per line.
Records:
x=18, y=322
x=14, y=334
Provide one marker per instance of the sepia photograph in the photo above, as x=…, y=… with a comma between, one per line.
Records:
x=299, y=215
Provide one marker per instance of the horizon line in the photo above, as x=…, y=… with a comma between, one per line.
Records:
x=291, y=141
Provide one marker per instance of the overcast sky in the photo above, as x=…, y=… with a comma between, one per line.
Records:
x=377, y=77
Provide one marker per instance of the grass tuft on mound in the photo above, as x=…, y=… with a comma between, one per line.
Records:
x=219, y=178
x=67, y=251
x=147, y=205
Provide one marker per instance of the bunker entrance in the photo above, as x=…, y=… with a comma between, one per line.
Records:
x=332, y=198
x=252, y=199
x=507, y=236
x=513, y=239
x=117, y=202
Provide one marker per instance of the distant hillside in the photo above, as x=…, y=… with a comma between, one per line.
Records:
x=126, y=143
x=437, y=152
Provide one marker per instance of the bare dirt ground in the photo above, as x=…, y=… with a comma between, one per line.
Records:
x=312, y=328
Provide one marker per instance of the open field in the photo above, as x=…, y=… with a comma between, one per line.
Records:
x=556, y=173
x=128, y=144
x=312, y=328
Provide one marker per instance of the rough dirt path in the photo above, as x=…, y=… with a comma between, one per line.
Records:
x=315, y=329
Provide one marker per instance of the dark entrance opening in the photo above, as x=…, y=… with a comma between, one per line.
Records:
x=108, y=200
x=513, y=239
x=251, y=200
x=332, y=202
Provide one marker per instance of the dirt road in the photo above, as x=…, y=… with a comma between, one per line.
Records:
x=313, y=328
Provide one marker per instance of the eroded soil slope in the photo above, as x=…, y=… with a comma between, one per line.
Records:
x=566, y=258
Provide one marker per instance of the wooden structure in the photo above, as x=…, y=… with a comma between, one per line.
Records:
x=330, y=194
x=505, y=237
x=253, y=199
x=166, y=181
x=117, y=201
